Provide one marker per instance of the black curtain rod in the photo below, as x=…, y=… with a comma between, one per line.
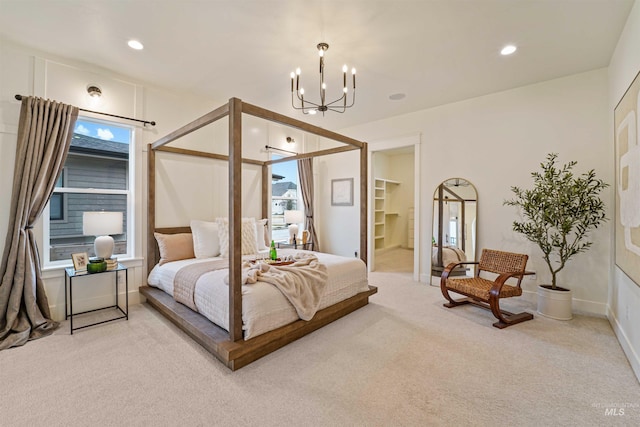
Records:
x=144, y=122
x=268, y=147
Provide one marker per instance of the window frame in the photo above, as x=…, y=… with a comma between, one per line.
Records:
x=128, y=192
x=299, y=205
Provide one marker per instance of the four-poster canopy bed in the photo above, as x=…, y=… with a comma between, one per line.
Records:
x=230, y=346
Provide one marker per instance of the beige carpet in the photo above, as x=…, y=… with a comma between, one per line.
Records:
x=396, y=260
x=402, y=360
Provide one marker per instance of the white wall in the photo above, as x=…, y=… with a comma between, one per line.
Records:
x=341, y=233
x=28, y=72
x=495, y=141
x=401, y=170
x=624, y=295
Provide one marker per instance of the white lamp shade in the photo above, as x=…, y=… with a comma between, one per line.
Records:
x=101, y=223
x=293, y=217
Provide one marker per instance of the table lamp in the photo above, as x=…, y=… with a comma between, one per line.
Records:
x=293, y=218
x=101, y=225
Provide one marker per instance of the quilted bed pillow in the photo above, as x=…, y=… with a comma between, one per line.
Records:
x=174, y=247
x=206, y=242
x=248, y=235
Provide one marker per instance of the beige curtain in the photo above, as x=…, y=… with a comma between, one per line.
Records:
x=44, y=136
x=305, y=176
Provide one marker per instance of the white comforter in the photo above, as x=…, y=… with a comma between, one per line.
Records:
x=264, y=307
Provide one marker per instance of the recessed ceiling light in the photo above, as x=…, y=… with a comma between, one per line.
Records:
x=508, y=49
x=397, y=96
x=135, y=44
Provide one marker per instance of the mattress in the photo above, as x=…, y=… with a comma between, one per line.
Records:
x=264, y=307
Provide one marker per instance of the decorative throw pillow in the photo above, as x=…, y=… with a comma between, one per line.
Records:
x=247, y=233
x=174, y=247
x=206, y=242
x=262, y=240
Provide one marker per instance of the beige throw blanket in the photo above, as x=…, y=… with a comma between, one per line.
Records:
x=303, y=283
x=184, y=282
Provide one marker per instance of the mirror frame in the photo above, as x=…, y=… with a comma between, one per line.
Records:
x=438, y=199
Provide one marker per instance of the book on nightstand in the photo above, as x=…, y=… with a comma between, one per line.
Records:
x=112, y=263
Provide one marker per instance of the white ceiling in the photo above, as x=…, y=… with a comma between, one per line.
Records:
x=434, y=51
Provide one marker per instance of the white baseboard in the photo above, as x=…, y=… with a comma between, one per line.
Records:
x=627, y=348
x=589, y=307
x=579, y=306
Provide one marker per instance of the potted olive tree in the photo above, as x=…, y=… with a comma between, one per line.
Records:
x=558, y=214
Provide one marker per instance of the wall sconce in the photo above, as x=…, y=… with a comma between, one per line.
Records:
x=291, y=140
x=94, y=91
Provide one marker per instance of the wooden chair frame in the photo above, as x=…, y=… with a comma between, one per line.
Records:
x=507, y=265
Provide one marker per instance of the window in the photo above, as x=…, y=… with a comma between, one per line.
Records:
x=56, y=204
x=284, y=196
x=96, y=177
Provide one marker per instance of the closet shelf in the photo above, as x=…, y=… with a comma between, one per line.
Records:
x=382, y=196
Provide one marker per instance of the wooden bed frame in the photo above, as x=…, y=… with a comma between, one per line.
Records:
x=230, y=347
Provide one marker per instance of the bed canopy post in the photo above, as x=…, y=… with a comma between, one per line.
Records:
x=265, y=191
x=364, y=174
x=235, y=219
x=151, y=207
x=440, y=221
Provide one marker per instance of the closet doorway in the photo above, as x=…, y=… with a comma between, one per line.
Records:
x=394, y=207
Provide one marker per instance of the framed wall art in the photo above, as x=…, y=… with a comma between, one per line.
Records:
x=627, y=182
x=342, y=192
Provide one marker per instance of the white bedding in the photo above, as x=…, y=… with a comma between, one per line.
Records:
x=449, y=254
x=264, y=307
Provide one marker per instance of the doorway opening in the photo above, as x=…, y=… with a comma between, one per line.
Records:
x=394, y=207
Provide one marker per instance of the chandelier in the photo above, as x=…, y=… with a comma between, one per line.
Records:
x=309, y=107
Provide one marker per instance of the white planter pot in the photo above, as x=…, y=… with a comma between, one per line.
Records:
x=555, y=304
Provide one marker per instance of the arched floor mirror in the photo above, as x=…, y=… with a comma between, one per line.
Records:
x=455, y=208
